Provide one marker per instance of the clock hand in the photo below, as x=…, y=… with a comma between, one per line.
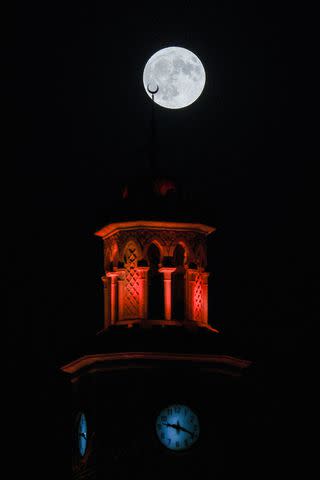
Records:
x=178, y=427
x=169, y=425
x=185, y=430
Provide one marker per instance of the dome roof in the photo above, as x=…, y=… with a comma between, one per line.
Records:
x=158, y=197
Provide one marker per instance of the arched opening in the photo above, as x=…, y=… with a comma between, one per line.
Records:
x=178, y=284
x=155, y=290
x=200, y=257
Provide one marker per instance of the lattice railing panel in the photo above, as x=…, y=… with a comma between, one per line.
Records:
x=197, y=298
x=132, y=283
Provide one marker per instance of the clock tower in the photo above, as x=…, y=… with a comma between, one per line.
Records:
x=159, y=393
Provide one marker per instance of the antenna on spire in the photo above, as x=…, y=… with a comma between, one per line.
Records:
x=153, y=89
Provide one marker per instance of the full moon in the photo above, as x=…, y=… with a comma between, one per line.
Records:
x=174, y=77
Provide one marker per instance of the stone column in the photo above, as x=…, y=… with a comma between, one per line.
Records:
x=106, y=296
x=113, y=296
x=167, y=282
x=121, y=293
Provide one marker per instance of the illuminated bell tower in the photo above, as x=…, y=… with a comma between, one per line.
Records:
x=158, y=389
x=155, y=274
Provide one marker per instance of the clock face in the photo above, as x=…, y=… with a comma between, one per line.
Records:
x=82, y=434
x=177, y=427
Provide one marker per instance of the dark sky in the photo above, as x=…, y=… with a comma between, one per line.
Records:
x=79, y=121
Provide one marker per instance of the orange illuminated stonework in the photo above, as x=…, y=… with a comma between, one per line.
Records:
x=155, y=273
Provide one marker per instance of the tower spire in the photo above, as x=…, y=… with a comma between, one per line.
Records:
x=153, y=89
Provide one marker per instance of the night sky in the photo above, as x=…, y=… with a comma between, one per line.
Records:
x=79, y=122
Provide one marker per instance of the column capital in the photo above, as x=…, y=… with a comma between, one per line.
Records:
x=142, y=271
x=167, y=271
x=112, y=274
x=191, y=273
x=104, y=281
x=205, y=276
x=120, y=273
x=142, y=268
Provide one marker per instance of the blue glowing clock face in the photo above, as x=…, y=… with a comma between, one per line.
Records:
x=177, y=427
x=82, y=434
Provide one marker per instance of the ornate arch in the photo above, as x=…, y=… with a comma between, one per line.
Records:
x=200, y=257
x=187, y=248
x=157, y=242
x=115, y=254
x=111, y=255
x=132, y=244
